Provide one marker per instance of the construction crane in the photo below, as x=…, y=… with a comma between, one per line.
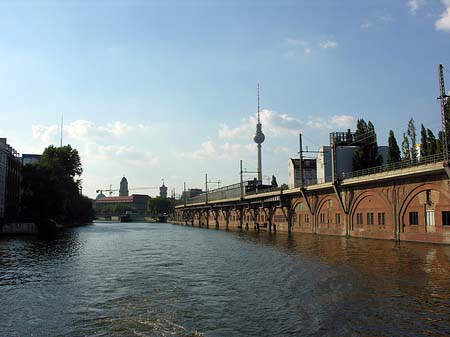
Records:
x=445, y=107
x=111, y=191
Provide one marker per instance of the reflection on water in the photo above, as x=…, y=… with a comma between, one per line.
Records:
x=163, y=280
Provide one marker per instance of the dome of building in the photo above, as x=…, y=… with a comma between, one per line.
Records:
x=123, y=191
x=99, y=196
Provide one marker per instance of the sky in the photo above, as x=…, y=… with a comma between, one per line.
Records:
x=168, y=89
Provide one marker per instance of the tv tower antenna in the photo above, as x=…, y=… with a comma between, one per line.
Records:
x=61, y=133
x=259, y=139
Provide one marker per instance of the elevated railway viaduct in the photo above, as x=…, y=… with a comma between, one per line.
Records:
x=403, y=202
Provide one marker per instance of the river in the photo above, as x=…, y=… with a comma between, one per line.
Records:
x=136, y=279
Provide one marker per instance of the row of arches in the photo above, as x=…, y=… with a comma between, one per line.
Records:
x=417, y=212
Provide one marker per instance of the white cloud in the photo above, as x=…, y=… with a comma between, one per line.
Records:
x=83, y=130
x=45, y=134
x=343, y=121
x=366, y=24
x=280, y=125
x=443, y=23
x=328, y=44
x=207, y=149
x=381, y=19
x=386, y=18
x=296, y=47
x=414, y=5
x=210, y=150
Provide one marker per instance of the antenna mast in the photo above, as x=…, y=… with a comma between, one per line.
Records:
x=61, y=133
x=443, y=97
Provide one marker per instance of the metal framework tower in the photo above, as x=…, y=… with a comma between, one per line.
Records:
x=443, y=97
x=259, y=139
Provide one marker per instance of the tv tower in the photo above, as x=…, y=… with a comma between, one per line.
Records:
x=259, y=139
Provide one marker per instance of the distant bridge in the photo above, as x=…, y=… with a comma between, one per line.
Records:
x=400, y=201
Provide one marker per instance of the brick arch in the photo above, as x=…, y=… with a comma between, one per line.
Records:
x=405, y=205
x=321, y=204
x=364, y=195
x=415, y=191
x=381, y=225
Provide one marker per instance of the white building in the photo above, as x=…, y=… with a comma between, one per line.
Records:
x=344, y=161
x=309, y=172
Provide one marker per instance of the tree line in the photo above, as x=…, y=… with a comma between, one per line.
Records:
x=51, y=190
x=366, y=153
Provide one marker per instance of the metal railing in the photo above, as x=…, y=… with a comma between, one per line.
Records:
x=234, y=190
x=435, y=158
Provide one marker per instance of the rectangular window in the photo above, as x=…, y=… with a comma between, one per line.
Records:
x=429, y=218
x=306, y=218
x=322, y=218
x=359, y=218
x=370, y=218
x=381, y=218
x=338, y=218
x=445, y=218
x=413, y=218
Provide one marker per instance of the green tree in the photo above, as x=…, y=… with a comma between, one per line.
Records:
x=411, y=133
x=159, y=205
x=274, y=181
x=432, y=143
x=393, y=154
x=424, y=142
x=406, y=148
x=51, y=192
x=366, y=153
x=63, y=161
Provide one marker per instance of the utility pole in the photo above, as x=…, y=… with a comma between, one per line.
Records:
x=300, y=165
x=206, y=188
x=241, y=181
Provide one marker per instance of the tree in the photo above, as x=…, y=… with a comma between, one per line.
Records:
x=63, y=161
x=405, y=148
x=366, y=153
x=411, y=133
x=50, y=191
x=393, y=154
x=274, y=181
x=432, y=142
x=158, y=205
x=424, y=143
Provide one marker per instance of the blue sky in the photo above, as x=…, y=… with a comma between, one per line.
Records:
x=167, y=89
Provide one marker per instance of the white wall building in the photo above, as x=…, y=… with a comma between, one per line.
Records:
x=309, y=172
x=344, y=161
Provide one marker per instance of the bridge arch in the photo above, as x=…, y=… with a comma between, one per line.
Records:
x=422, y=209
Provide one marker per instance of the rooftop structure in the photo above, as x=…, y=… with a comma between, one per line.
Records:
x=123, y=191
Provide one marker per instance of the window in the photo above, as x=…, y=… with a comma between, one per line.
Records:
x=322, y=218
x=370, y=218
x=413, y=218
x=381, y=219
x=338, y=218
x=306, y=218
x=359, y=218
x=445, y=218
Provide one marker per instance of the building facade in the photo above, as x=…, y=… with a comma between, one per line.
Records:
x=309, y=172
x=344, y=161
x=10, y=170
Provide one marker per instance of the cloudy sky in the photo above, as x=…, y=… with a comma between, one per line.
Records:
x=167, y=89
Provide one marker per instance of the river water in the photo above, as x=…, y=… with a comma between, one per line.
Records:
x=136, y=279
